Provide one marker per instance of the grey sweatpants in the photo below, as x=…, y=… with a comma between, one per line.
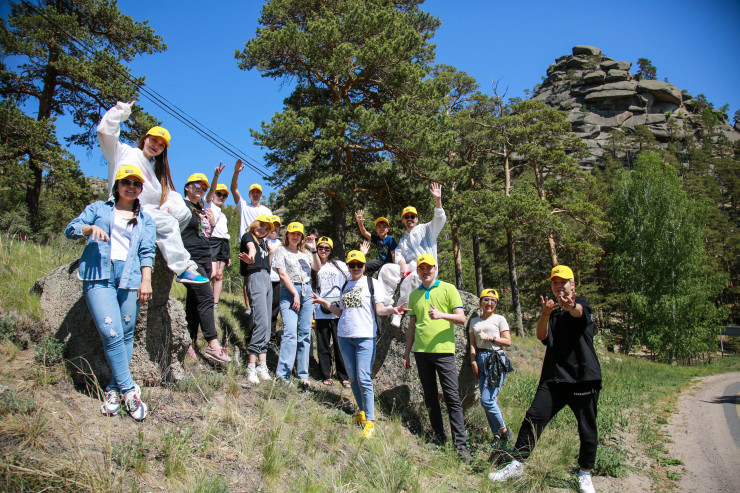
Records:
x=259, y=291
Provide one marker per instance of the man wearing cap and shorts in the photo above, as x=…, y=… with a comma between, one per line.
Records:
x=418, y=240
x=248, y=211
x=435, y=309
x=571, y=375
x=217, y=231
x=385, y=243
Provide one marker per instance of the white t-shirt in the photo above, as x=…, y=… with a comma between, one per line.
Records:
x=221, y=228
x=120, y=237
x=297, y=265
x=493, y=326
x=248, y=213
x=274, y=277
x=357, y=316
x=331, y=279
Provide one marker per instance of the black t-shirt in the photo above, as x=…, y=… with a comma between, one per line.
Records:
x=261, y=255
x=570, y=356
x=193, y=236
x=385, y=246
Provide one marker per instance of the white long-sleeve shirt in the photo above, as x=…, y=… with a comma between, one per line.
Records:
x=422, y=239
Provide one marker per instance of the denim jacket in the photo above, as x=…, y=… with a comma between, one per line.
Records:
x=95, y=263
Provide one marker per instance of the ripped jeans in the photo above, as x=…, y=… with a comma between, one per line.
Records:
x=114, y=312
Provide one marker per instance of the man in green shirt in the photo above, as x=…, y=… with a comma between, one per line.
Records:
x=435, y=309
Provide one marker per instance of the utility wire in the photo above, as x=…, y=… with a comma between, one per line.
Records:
x=162, y=102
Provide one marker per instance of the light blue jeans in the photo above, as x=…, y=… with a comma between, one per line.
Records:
x=114, y=312
x=358, y=354
x=488, y=395
x=296, y=333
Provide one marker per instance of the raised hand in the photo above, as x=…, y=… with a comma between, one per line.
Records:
x=548, y=305
x=238, y=167
x=360, y=215
x=365, y=247
x=217, y=171
x=311, y=243
x=436, y=190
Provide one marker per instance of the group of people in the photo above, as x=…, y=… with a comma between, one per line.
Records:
x=300, y=277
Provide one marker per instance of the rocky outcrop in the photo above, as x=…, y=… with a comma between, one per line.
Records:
x=601, y=95
x=161, y=337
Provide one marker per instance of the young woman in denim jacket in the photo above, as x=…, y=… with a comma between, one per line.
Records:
x=115, y=269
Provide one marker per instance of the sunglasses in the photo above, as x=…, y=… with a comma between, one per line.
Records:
x=198, y=186
x=324, y=249
x=356, y=265
x=410, y=216
x=130, y=183
x=221, y=195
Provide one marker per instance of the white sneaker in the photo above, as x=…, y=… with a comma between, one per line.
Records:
x=263, y=373
x=396, y=320
x=252, y=376
x=111, y=405
x=585, y=484
x=515, y=469
x=135, y=408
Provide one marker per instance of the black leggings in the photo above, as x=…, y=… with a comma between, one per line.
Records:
x=548, y=401
x=199, y=306
x=326, y=330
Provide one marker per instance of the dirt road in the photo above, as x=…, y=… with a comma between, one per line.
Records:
x=706, y=434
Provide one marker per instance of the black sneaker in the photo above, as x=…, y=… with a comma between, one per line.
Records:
x=464, y=454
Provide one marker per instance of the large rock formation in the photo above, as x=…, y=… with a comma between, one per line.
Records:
x=601, y=95
x=161, y=337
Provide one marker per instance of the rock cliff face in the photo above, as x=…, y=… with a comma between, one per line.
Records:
x=601, y=95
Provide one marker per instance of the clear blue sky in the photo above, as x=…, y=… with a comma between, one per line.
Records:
x=693, y=44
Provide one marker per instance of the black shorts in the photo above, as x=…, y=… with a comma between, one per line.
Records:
x=220, y=250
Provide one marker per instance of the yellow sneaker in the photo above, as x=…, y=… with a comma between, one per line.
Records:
x=368, y=431
x=358, y=418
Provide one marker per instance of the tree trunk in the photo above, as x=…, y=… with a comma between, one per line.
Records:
x=515, y=301
x=553, y=252
x=339, y=227
x=458, y=256
x=477, y=262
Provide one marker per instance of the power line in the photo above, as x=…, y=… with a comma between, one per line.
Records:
x=161, y=101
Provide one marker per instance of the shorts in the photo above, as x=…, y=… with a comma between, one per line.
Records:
x=220, y=250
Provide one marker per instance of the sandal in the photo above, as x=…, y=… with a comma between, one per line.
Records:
x=328, y=382
x=346, y=384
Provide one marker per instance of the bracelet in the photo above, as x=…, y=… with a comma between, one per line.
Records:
x=313, y=251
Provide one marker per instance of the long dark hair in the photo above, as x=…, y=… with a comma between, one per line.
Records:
x=162, y=170
x=330, y=259
x=137, y=206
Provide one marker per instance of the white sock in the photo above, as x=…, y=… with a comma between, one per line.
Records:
x=581, y=472
x=250, y=366
x=263, y=364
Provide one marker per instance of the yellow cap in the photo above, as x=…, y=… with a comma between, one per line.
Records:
x=265, y=219
x=382, y=220
x=255, y=186
x=489, y=293
x=222, y=188
x=327, y=240
x=160, y=132
x=562, y=271
x=426, y=258
x=198, y=177
x=130, y=172
x=293, y=227
x=355, y=256
x=409, y=210
x=275, y=219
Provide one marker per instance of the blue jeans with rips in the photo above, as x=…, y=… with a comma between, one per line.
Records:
x=114, y=312
x=296, y=333
x=358, y=354
x=489, y=395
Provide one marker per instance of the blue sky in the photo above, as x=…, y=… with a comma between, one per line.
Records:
x=693, y=44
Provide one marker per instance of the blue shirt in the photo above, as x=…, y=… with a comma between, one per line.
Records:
x=385, y=246
x=95, y=263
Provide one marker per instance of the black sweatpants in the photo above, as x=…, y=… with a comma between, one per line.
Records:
x=275, y=307
x=549, y=399
x=326, y=330
x=431, y=365
x=199, y=306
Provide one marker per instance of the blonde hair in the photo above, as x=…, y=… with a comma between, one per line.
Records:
x=301, y=244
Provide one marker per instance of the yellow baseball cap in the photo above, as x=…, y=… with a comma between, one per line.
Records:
x=562, y=271
x=275, y=219
x=489, y=293
x=293, y=227
x=355, y=256
x=382, y=220
x=265, y=219
x=160, y=132
x=426, y=258
x=409, y=210
x=198, y=177
x=327, y=240
x=222, y=188
x=255, y=186
x=130, y=172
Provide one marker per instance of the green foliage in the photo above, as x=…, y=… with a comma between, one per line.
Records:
x=12, y=403
x=49, y=352
x=646, y=70
x=176, y=448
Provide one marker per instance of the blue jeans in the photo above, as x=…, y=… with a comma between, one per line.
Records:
x=296, y=333
x=358, y=354
x=114, y=312
x=488, y=395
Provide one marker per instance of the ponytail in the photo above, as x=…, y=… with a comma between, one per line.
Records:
x=136, y=209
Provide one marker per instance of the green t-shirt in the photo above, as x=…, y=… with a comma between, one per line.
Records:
x=434, y=336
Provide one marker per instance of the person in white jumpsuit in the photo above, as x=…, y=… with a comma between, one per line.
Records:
x=158, y=197
x=419, y=239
